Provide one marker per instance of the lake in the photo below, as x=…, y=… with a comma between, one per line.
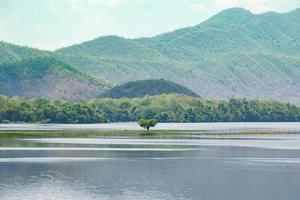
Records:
x=210, y=161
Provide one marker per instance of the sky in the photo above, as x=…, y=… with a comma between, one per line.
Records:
x=52, y=24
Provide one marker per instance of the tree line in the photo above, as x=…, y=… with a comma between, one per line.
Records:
x=163, y=108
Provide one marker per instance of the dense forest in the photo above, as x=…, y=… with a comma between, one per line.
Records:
x=48, y=77
x=149, y=87
x=235, y=53
x=163, y=108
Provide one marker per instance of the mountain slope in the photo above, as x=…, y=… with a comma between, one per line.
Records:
x=233, y=54
x=10, y=52
x=116, y=59
x=147, y=88
x=49, y=78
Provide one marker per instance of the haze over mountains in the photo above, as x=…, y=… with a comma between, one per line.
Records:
x=49, y=78
x=233, y=54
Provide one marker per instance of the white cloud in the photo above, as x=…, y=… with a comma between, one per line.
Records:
x=81, y=5
x=256, y=6
x=113, y=3
x=52, y=7
x=75, y=5
x=84, y=4
x=197, y=7
x=93, y=2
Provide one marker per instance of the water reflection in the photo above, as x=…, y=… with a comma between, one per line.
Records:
x=210, y=167
x=291, y=141
x=200, y=127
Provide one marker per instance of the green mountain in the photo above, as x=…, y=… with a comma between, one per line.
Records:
x=147, y=88
x=233, y=54
x=49, y=78
x=10, y=52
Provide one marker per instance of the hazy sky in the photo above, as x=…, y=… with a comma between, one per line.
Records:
x=50, y=24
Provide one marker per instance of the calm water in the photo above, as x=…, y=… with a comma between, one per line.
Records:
x=183, y=167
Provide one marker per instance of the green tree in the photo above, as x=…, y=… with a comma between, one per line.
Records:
x=147, y=124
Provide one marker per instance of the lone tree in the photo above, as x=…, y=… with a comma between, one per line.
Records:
x=147, y=123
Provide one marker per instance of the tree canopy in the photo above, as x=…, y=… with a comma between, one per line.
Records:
x=149, y=87
x=147, y=123
x=163, y=108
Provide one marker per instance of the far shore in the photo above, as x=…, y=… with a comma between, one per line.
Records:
x=133, y=129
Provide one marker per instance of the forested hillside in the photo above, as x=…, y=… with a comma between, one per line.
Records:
x=11, y=53
x=233, y=54
x=49, y=78
x=147, y=88
x=164, y=108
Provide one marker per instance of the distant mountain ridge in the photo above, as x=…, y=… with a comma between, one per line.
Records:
x=149, y=87
x=11, y=53
x=234, y=54
x=48, y=78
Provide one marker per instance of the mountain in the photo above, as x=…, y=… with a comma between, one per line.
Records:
x=233, y=54
x=49, y=78
x=144, y=88
x=10, y=52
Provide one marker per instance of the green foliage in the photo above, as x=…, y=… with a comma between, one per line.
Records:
x=144, y=88
x=47, y=77
x=147, y=123
x=11, y=53
x=233, y=54
x=163, y=108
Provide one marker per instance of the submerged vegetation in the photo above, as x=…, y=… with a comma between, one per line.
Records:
x=163, y=108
